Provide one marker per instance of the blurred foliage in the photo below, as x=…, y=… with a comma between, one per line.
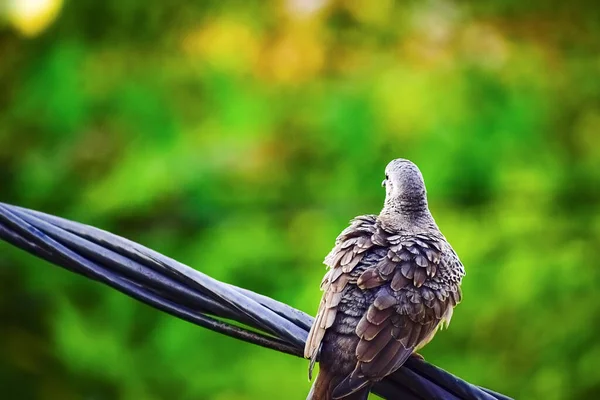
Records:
x=240, y=137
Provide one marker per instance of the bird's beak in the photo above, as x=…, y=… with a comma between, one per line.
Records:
x=383, y=183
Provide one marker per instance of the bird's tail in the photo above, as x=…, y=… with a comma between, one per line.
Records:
x=324, y=385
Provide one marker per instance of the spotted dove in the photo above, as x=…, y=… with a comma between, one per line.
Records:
x=392, y=281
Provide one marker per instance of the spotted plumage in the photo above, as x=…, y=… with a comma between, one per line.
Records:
x=392, y=281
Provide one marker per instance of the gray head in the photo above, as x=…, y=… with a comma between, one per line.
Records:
x=404, y=188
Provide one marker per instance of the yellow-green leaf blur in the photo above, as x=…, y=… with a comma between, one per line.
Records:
x=240, y=137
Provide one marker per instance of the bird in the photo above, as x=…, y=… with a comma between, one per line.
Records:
x=392, y=281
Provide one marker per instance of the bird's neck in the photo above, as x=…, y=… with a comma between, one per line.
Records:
x=405, y=211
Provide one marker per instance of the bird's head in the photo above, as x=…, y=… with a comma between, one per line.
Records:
x=404, y=187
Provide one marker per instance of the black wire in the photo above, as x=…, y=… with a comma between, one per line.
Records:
x=96, y=272
x=130, y=269
x=148, y=257
x=447, y=380
x=268, y=320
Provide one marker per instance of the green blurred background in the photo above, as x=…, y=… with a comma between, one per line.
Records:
x=240, y=137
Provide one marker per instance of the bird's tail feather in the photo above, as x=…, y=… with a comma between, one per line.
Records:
x=324, y=386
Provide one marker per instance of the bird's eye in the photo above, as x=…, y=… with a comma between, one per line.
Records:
x=384, y=181
x=387, y=177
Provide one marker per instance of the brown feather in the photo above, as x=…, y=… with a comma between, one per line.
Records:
x=408, y=269
x=384, y=301
x=377, y=317
x=393, y=256
x=441, y=294
x=368, y=349
x=421, y=261
x=394, y=239
x=386, y=266
x=348, y=256
x=348, y=243
x=431, y=270
x=427, y=294
x=430, y=254
x=457, y=296
x=362, y=326
x=328, y=318
x=335, y=259
x=340, y=283
x=364, y=242
x=399, y=281
x=418, y=312
x=378, y=238
x=369, y=279
x=421, y=243
x=334, y=274
x=372, y=330
x=333, y=299
x=379, y=363
x=420, y=276
x=415, y=333
x=353, y=263
x=438, y=310
x=414, y=296
x=413, y=249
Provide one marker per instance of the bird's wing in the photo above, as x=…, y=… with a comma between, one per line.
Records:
x=415, y=295
x=349, y=250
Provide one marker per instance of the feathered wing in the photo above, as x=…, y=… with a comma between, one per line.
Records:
x=348, y=251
